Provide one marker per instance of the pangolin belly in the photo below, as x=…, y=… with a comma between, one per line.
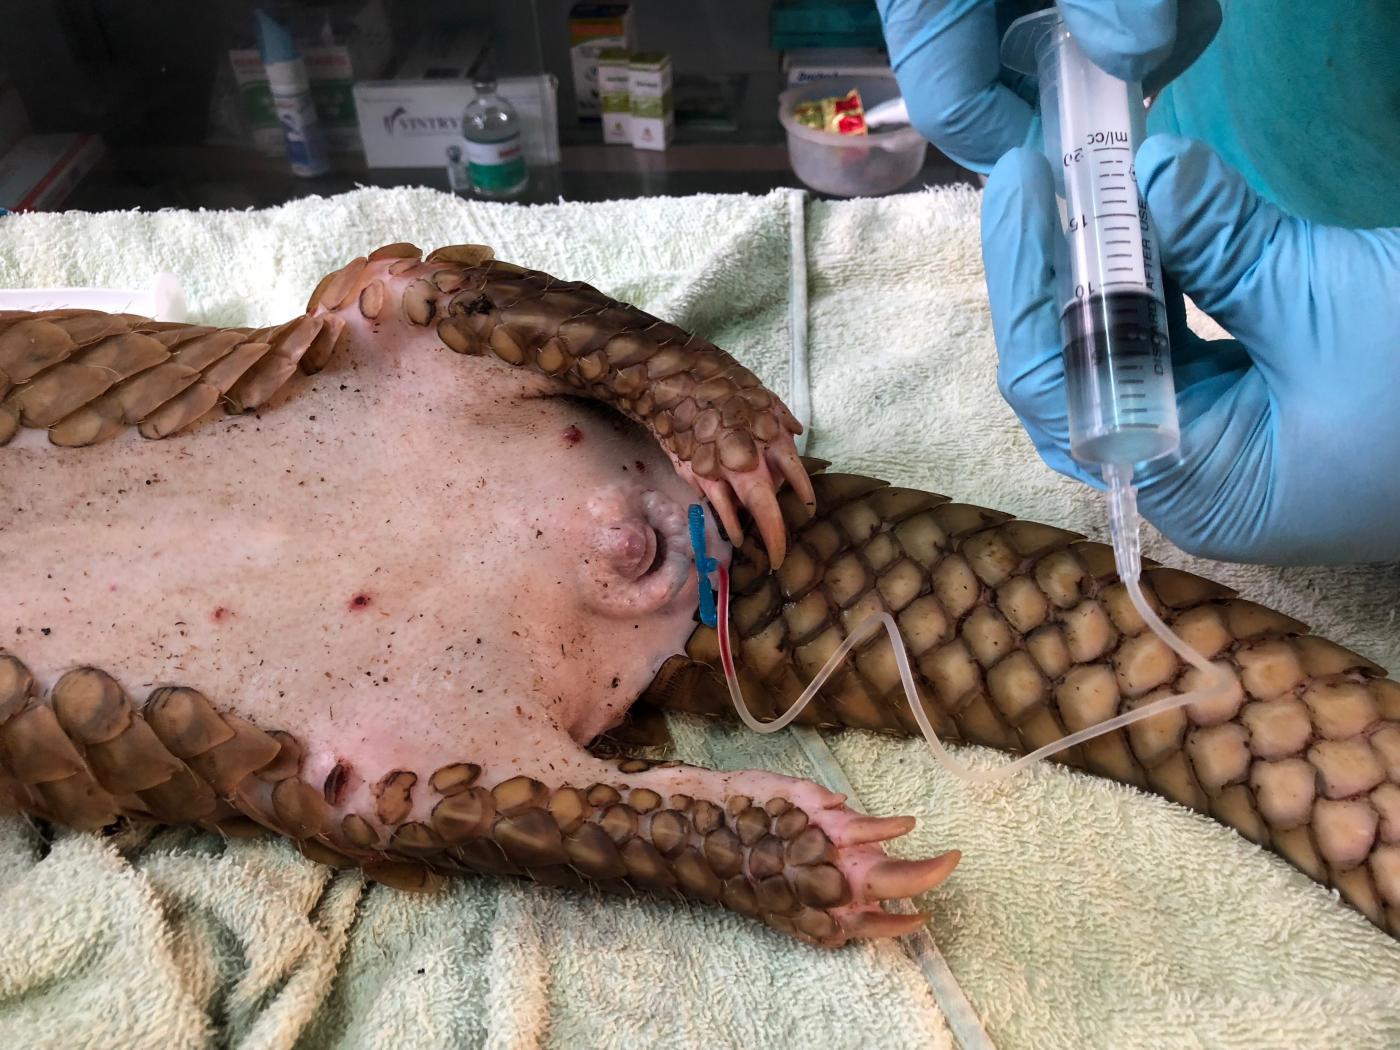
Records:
x=373, y=578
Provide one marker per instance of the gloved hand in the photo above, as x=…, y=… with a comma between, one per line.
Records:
x=1290, y=432
x=946, y=56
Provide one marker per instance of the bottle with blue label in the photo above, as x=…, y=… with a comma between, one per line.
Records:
x=494, y=152
x=291, y=97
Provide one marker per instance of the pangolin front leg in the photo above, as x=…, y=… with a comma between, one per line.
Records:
x=725, y=433
x=784, y=851
x=86, y=376
x=1020, y=633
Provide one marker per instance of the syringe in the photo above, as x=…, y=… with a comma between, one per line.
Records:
x=1113, y=316
x=1122, y=401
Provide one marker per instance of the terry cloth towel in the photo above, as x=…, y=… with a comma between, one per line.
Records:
x=1083, y=914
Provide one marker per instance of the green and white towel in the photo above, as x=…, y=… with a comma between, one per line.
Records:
x=1083, y=915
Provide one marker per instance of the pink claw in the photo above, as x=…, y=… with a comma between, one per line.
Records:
x=860, y=830
x=721, y=499
x=756, y=489
x=790, y=465
x=897, y=879
x=870, y=925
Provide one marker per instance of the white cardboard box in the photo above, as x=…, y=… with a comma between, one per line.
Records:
x=834, y=63
x=410, y=123
x=649, y=94
x=614, y=95
x=40, y=171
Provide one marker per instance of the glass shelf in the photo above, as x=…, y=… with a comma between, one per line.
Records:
x=238, y=177
x=155, y=81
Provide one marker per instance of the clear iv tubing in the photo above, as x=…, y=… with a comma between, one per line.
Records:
x=1123, y=524
x=1122, y=510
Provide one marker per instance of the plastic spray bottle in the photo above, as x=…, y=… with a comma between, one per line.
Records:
x=291, y=97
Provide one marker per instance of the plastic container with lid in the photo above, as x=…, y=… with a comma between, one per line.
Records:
x=870, y=165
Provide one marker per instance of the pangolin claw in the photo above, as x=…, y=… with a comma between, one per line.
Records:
x=721, y=500
x=762, y=503
x=789, y=464
x=896, y=879
x=872, y=925
x=874, y=829
x=756, y=490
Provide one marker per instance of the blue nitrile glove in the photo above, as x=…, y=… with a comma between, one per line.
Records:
x=946, y=56
x=1290, y=432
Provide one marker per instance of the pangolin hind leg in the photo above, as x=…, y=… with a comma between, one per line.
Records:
x=784, y=851
x=1020, y=633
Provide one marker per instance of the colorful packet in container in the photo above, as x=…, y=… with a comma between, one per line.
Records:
x=845, y=115
x=840, y=115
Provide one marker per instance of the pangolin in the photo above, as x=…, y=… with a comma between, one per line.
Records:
x=374, y=580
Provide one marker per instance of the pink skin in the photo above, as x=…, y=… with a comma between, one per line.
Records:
x=420, y=559
x=641, y=551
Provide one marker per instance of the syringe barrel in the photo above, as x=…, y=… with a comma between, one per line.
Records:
x=1117, y=355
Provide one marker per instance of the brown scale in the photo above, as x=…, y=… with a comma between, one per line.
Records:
x=85, y=756
x=1019, y=633
x=86, y=376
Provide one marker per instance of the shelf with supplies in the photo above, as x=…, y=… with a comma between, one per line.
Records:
x=236, y=176
x=153, y=118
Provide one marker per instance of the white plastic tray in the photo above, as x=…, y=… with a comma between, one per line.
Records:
x=164, y=300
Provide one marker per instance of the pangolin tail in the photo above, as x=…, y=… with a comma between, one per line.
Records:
x=1020, y=633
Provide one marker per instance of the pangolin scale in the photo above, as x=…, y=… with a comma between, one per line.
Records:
x=1018, y=632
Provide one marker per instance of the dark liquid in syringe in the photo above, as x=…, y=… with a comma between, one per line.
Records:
x=1122, y=401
